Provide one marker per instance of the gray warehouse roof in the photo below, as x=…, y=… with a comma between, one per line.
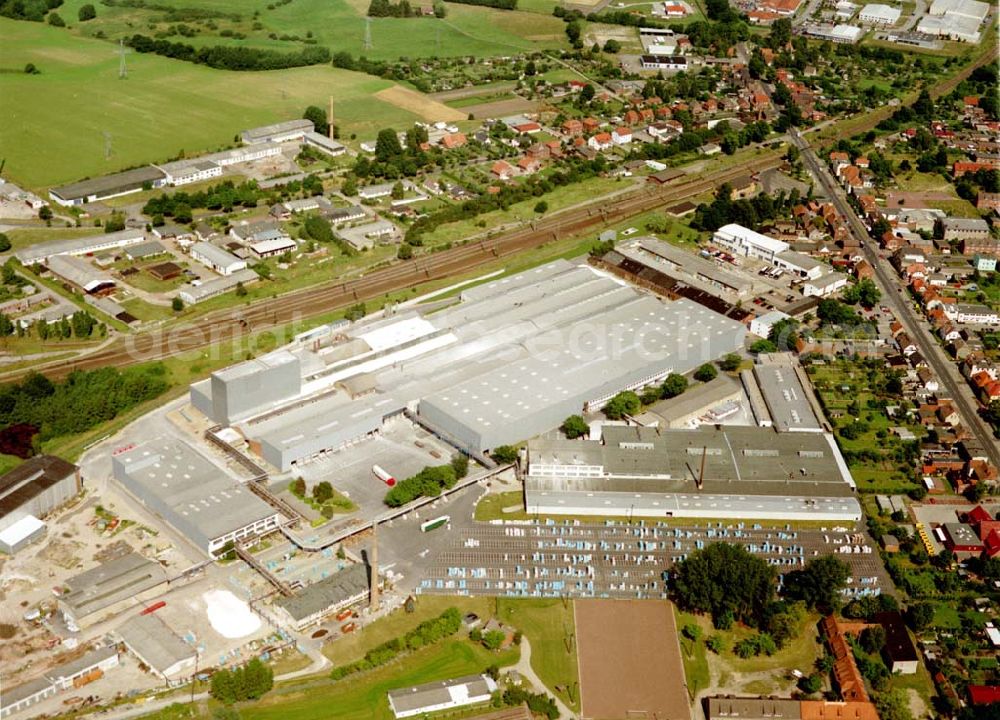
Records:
x=152, y=640
x=738, y=460
x=110, y=583
x=109, y=184
x=437, y=693
x=621, y=346
x=39, y=252
x=262, y=133
x=700, y=398
x=195, y=496
x=329, y=592
x=786, y=398
x=79, y=272
x=31, y=478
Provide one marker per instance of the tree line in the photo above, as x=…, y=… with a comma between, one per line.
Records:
x=429, y=482
x=249, y=682
x=82, y=401
x=574, y=171
x=225, y=57
x=732, y=585
x=32, y=10
x=426, y=633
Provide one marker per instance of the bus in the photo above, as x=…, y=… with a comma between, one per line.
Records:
x=435, y=523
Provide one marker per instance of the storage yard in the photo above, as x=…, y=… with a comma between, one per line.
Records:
x=624, y=560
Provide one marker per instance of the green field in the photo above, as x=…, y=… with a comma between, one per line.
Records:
x=164, y=107
x=550, y=628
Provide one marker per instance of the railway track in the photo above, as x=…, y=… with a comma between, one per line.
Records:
x=234, y=323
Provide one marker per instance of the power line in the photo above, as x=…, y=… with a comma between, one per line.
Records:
x=368, y=33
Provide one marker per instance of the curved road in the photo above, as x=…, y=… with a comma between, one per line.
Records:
x=894, y=295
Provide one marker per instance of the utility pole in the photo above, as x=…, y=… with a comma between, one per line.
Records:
x=373, y=561
x=122, y=70
x=368, y=33
x=107, y=145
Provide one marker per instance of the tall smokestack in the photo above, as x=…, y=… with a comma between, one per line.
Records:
x=329, y=119
x=373, y=562
x=701, y=472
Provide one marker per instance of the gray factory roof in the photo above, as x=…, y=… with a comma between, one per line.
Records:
x=702, y=396
x=658, y=254
x=755, y=708
x=18, y=693
x=109, y=183
x=438, y=693
x=145, y=249
x=152, y=640
x=31, y=478
x=77, y=245
x=329, y=592
x=217, y=285
x=111, y=582
x=79, y=272
x=737, y=460
x=191, y=493
x=255, y=365
x=266, y=131
x=786, y=398
x=214, y=255
x=81, y=664
x=602, y=353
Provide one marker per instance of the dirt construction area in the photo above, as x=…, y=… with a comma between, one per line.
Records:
x=419, y=104
x=630, y=661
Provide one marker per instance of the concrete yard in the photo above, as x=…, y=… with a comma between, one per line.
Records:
x=395, y=449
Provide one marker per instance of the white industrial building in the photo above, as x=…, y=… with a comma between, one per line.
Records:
x=971, y=314
x=511, y=360
x=278, y=132
x=761, y=326
x=748, y=243
x=442, y=695
x=197, y=498
x=79, y=272
x=742, y=473
x=663, y=62
x=108, y=186
x=185, y=172
x=955, y=19
x=840, y=33
x=160, y=648
x=219, y=260
x=41, y=252
x=318, y=601
x=192, y=294
x=879, y=15
x=825, y=285
x=28, y=493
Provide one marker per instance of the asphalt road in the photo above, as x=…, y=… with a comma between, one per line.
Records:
x=945, y=370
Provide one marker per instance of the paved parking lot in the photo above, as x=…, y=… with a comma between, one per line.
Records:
x=621, y=560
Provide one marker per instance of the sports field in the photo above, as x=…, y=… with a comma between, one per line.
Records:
x=630, y=662
x=56, y=127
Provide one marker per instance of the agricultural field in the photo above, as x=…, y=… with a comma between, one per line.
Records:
x=164, y=107
x=336, y=24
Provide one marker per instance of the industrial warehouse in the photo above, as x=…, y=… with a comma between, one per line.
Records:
x=507, y=362
x=28, y=493
x=717, y=472
x=194, y=496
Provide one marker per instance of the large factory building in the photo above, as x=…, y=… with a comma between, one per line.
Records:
x=511, y=359
x=736, y=472
x=197, y=498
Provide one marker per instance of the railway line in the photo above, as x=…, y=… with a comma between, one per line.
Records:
x=232, y=324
